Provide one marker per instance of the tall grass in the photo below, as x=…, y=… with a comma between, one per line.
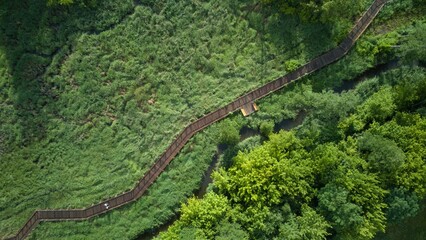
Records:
x=93, y=111
x=85, y=117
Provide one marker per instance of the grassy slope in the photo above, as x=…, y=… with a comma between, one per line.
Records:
x=83, y=130
x=176, y=182
x=100, y=132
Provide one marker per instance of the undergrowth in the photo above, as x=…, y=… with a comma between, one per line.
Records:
x=88, y=105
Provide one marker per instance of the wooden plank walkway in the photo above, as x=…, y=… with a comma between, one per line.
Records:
x=246, y=100
x=249, y=108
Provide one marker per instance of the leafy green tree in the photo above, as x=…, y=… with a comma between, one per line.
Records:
x=410, y=91
x=202, y=215
x=264, y=182
x=413, y=47
x=383, y=155
x=353, y=199
x=268, y=173
x=206, y=213
x=229, y=133
x=345, y=216
x=365, y=191
x=402, y=204
x=260, y=222
x=335, y=10
x=310, y=225
x=379, y=107
x=231, y=231
x=187, y=233
x=327, y=158
x=408, y=132
x=266, y=128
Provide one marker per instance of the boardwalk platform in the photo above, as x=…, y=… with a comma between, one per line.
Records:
x=245, y=103
x=249, y=108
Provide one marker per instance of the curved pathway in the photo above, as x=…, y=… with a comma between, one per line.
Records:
x=159, y=166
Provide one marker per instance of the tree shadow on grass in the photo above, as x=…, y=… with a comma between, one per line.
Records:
x=21, y=23
x=291, y=37
x=295, y=37
x=31, y=34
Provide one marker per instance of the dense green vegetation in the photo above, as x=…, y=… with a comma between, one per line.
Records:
x=60, y=2
x=90, y=96
x=411, y=228
x=355, y=165
x=305, y=185
x=318, y=10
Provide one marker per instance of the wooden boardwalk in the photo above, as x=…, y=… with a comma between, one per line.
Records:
x=241, y=103
x=249, y=108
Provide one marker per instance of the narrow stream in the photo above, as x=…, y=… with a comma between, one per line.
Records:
x=370, y=73
x=150, y=234
x=247, y=132
x=207, y=178
x=286, y=124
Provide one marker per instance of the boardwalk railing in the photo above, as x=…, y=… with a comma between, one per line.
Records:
x=159, y=166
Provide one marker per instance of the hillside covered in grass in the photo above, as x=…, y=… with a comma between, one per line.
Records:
x=92, y=93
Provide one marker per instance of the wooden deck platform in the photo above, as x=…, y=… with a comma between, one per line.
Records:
x=249, y=108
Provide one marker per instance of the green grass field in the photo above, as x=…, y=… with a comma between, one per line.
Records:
x=112, y=96
x=90, y=98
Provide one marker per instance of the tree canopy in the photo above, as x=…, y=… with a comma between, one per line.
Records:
x=296, y=187
x=413, y=47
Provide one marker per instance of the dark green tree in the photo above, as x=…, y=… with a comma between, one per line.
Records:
x=402, y=204
x=266, y=128
x=413, y=46
x=383, y=155
x=310, y=225
x=229, y=133
x=231, y=231
x=344, y=216
x=377, y=108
